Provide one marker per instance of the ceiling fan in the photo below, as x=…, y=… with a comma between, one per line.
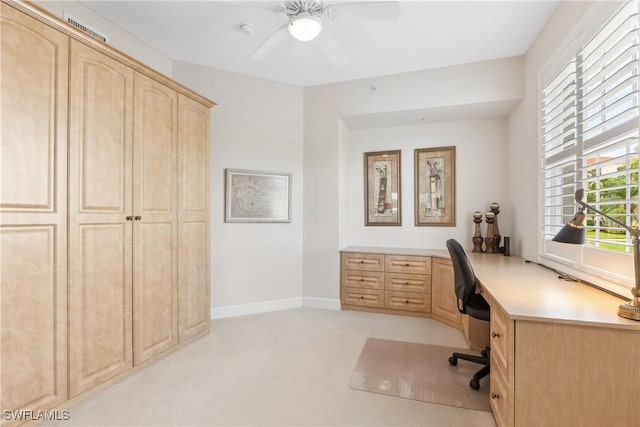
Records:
x=306, y=23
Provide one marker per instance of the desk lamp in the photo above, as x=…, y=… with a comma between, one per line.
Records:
x=573, y=232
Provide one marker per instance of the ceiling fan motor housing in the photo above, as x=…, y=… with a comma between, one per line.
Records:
x=296, y=7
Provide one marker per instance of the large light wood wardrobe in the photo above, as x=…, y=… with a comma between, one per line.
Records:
x=104, y=213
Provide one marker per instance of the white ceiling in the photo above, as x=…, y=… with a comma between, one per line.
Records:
x=427, y=34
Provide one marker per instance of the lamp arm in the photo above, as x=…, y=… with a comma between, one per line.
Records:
x=631, y=309
x=634, y=231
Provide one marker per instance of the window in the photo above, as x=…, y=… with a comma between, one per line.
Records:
x=589, y=135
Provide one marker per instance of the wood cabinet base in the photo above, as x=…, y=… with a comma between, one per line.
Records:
x=400, y=282
x=386, y=311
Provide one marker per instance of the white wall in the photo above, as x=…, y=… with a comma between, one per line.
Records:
x=481, y=153
x=326, y=189
x=118, y=38
x=256, y=125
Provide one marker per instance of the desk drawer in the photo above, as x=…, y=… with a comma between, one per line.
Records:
x=362, y=279
x=502, y=343
x=501, y=399
x=364, y=262
x=408, y=301
x=407, y=282
x=407, y=264
x=363, y=297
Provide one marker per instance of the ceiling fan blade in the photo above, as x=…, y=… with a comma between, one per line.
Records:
x=270, y=44
x=332, y=49
x=382, y=10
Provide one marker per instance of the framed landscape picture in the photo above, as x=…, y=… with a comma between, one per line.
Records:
x=435, y=186
x=255, y=196
x=382, y=188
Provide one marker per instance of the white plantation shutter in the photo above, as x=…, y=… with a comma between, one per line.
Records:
x=589, y=133
x=559, y=147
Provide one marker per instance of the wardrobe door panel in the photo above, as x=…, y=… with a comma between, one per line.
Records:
x=34, y=372
x=194, y=279
x=33, y=224
x=155, y=281
x=100, y=234
x=33, y=105
x=193, y=218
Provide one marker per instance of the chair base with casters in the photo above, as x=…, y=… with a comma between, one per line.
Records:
x=483, y=360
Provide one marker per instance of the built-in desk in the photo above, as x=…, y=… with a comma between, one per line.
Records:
x=560, y=355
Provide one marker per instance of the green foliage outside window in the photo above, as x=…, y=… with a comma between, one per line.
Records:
x=603, y=193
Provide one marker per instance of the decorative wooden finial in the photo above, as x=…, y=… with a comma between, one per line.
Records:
x=477, y=236
x=490, y=240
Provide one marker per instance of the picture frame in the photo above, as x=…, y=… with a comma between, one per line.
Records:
x=257, y=196
x=382, y=191
x=435, y=186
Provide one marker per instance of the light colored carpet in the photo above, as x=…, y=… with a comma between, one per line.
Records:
x=419, y=372
x=280, y=368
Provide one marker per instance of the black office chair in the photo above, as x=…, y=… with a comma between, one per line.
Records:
x=471, y=303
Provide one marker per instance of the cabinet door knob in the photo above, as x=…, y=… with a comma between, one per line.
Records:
x=407, y=265
x=495, y=396
x=129, y=218
x=495, y=335
x=137, y=218
x=361, y=296
x=361, y=262
x=407, y=301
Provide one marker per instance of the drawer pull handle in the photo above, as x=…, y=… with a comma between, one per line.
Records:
x=361, y=262
x=495, y=396
x=407, y=301
x=362, y=280
x=407, y=265
x=495, y=335
x=361, y=296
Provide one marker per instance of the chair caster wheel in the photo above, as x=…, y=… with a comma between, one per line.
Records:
x=474, y=384
x=453, y=361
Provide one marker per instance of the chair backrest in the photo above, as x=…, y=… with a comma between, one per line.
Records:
x=464, y=278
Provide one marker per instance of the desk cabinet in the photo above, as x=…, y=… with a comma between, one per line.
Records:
x=445, y=303
x=502, y=368
x=559, y=374
x=390, y=283
x=570, y=374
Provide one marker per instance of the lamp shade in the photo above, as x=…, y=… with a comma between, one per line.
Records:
x=304, y=27
x=573, y=231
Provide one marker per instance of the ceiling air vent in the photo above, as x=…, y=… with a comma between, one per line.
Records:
x=85, y=28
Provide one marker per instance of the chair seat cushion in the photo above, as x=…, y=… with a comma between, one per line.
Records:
x=478, y=307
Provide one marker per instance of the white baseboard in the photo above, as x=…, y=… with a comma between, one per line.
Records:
x=324, y=303
x=255, y=308
x=274, y=305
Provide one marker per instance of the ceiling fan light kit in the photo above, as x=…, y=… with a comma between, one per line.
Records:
x=306, y=23
x=304, y=27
